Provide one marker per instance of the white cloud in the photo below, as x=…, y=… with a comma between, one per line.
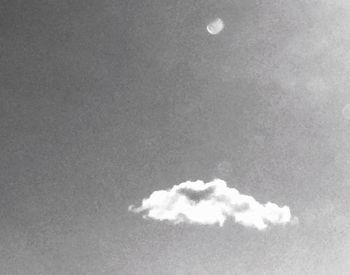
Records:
x=211, y=203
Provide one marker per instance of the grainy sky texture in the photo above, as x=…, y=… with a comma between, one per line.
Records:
x=102, y=102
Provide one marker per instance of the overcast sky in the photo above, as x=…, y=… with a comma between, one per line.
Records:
x=103, y=102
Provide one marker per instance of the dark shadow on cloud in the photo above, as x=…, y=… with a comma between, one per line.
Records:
x=241, y=207
x=197, y=195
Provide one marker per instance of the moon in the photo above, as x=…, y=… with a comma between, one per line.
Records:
x=215, y=26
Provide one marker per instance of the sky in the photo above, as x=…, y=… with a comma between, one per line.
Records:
x=103, y=103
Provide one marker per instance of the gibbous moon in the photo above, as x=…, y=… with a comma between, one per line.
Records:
x=346, y=111
x=216, y=26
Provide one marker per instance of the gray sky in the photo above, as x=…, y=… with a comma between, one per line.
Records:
x=104, y=102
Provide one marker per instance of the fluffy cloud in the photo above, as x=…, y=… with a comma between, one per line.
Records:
x=211, y=203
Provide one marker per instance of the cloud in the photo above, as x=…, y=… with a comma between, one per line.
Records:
x=211, y=203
